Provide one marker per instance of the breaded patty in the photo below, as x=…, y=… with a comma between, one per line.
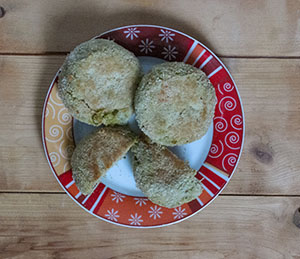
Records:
x=96, y=153
x=164, y=178
x=175, y=103
x=97, y=82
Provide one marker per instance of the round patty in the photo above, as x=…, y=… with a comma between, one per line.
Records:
x=175, y=104
x=97, y=82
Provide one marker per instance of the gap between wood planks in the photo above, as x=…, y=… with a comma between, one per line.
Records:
x=219, y=56
x=227, y=194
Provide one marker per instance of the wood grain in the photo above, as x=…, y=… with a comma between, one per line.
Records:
x=270, y=93
x=53, y=226
x=269, y=89
x=24, y=83
x=234, y=28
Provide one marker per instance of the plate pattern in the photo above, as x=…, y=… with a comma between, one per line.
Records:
x=118, y=208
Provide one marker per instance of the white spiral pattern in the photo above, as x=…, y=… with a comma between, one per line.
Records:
x=52, y=109
x=56, y=132
x=47, y=112
x=55, y=158
x=64, y=117
x=220, y=89
x=228, y=87
x=231, y=139
x=66, y=166
x=58, y=98
x=69, y=133
x=220, y=124
x=236, y=121
x=229, y=105
x=214, y=151
x=229, y=160
x=66, y=152
x=56, y=103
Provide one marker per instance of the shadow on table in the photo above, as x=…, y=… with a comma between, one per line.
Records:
x=80, y=23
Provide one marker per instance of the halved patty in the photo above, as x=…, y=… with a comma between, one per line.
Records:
x=164, y=178
x=96, y=153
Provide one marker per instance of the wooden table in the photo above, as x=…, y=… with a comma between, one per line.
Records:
x=258, y=40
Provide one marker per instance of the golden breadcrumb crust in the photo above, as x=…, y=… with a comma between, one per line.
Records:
x=96, y=153
x=97, y=82
x=175, y=103
x=164, y=178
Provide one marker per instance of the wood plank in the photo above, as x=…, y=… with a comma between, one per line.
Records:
x=24, y=83
x=53, y=226
x=270, y=93
x=269, y=89
x=234, y=28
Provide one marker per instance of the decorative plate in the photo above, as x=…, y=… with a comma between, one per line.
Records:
x=116, y=199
